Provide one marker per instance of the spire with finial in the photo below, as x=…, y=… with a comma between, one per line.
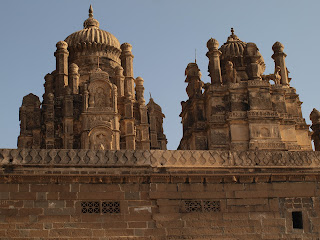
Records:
x=195, y=56
x=91, y=22
x=232, y=36
x=90, y=12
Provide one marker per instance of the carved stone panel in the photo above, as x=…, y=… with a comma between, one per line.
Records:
x=219, y=136
x=100, y=138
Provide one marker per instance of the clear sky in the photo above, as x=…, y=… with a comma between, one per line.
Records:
x=164, y=35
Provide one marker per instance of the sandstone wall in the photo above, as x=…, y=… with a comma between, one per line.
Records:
x=51, y=200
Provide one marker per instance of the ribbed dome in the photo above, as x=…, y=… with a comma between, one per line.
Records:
x=234, y=47
x=92, y=34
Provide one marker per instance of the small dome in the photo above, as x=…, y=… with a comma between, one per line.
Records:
x=92, y=34
x=212, y=44
x=234, y=47
x=277, y=47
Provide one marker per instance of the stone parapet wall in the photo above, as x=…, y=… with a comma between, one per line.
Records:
x=160, y=195
x=160, y=158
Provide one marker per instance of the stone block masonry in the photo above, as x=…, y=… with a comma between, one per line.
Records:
x=150, y=195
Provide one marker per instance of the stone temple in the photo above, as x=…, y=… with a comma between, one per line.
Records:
x=92, y=163
x=91, y=99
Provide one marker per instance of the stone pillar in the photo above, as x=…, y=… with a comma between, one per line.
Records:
x=48, y=85
x=61, y=67
x=85, y=98
x=120, y=81
x=49, y=121
x=140, y=90
x=315, y=119
x=279, y=60
x=214, y=61
x=74, y=78
x=127, y=64
x=68, y=120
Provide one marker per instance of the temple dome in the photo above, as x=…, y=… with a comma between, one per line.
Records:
x=234, y=47
x=92, y=36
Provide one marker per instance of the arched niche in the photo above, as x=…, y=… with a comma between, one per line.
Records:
x=101, y=138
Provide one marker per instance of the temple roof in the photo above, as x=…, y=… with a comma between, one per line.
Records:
x=234, y=47
x=92, y=34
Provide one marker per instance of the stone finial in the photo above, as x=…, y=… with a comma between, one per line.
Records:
x=91, y=22
x=73, y=68
x=126, y=47
x=315, y=116
x=212, y=44
x=139, y=81
x=61, y=45
x=278, y=47
x=90, y=11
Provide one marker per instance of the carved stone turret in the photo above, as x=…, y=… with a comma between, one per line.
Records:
x=61, y=67
x=279, y=59
x=127, y=64
x=193, y=79
x=214, y=61
x=74, y=78
x=30, y=127
x=157, y=137
x=315, y=119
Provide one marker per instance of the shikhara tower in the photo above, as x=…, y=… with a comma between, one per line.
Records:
x=240, y=109
x=91, y=99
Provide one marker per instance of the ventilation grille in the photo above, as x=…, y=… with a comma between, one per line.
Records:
x=106, y=207
x=201, y=206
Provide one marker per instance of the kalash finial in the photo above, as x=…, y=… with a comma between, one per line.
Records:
x=232, y=31
x=91, y=22
x=90, y=11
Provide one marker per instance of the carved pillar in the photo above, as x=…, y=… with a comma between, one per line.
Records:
x=140, y=90
x=127, y=64
x=279, y=60
x=48, y=85
x=49, y=121
x=68, y=120
x=315, y=119
x=214, y=61
x=74, y=78
x=61, y=67
x=85, y=98
x=120, y=81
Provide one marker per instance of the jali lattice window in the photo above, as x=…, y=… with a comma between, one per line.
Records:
x=105, y=207
x=110, y=207
x=90, y=207
x=201, y=206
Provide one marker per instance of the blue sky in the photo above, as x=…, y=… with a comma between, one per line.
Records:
x=164, y=35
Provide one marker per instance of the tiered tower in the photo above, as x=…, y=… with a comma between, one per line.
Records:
x=91, y=99
x=240, y=109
